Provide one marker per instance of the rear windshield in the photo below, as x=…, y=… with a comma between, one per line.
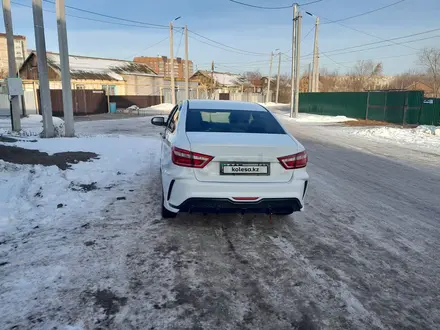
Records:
x=232, y=121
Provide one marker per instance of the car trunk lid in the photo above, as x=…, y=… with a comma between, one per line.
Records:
x=239, y=156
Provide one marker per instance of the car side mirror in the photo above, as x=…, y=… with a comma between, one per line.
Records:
x=158, y=121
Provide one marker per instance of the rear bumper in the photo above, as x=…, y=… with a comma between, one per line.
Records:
x=186, y=194
x=224, y=205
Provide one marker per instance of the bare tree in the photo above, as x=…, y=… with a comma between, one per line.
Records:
x=285, y=88
x=328, y=80
x=430, y=59
x=406, y=79
x=362, y=76
x=251, y=79
x=3, y=74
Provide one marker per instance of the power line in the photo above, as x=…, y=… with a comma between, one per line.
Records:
x=150, y=25
x=371, y=35
x=334, y=60
x=272, y=8
x=374, y=43
x=355, y=51
x=307, y=34
x=155, y=44
x=109, y=16
x=366, y=13
x=91, y=19
x=222, y=48
x=237, y=63
x=223, y=45
x=330, y=21
x=376, y=58
x=259, y=7
x=379, y=42
x=180, y=42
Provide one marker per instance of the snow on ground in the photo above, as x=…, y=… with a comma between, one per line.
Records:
x=119, y=159
x=31, y=126
x=283, y=111
x=163, y=108
x=273, y=104
x=45, y=216
x=317, y=119
x=422, y=135
x=363, y=255
x=160, y=107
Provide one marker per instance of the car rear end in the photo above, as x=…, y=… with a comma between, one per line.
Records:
x=237, y=160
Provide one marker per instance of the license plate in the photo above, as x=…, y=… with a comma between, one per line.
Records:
x=244, y=169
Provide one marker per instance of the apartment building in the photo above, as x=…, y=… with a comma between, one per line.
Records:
x=20, y=52
x=162, y=65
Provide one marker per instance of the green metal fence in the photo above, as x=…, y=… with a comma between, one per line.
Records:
x=398, y=107
x=350, y=104
x=430, y=114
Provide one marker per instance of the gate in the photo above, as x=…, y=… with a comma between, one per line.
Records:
x=430, y=114
x=224, y=96
x=84, y=102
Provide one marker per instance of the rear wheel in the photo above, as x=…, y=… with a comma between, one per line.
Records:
x=166, y=214
x=284, y=213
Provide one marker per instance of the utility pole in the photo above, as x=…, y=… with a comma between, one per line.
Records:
x=270, y=78
x=278, y=77
x=212, y=80
x=186, y=63
x=315, y=85
x=292, y=94
x=65, y=69
x=310, y=84
x=298, y=55
x=173, y=87
x=12, y=66
x=40, y=43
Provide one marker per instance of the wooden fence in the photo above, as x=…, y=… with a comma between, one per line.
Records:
x=85, y=102
x=142, y=101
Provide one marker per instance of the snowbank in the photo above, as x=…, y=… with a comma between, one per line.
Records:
x=30, y=194
x=429, y=129
x=31, y=126
x=132, y=108
x=428, y=136
x=283, y=111
x=52, y=221
x=273, y=104
x=161, y=107
x=310, y=118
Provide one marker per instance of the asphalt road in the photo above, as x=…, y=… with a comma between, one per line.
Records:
x=364, y=254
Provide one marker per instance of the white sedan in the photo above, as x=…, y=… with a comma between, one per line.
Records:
x=224, y=156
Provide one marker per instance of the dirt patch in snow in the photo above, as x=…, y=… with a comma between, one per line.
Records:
x=63, y=160
x=109, y=301
x=361, y=122
x=7, y=139
x=84, y=187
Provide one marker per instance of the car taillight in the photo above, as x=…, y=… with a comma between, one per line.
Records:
x=182, y=157
x=294, y=161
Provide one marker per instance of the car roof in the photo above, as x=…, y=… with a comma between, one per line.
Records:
x=224, y=105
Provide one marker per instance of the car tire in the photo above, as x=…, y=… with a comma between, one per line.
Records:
x=166, y=214
x=284, y=213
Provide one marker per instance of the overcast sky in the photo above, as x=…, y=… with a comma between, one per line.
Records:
x=251, y=29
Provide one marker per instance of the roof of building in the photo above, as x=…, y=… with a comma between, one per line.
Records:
x=95, y=68
x=142, y=59
x=224, y=105
x=15, y=36
x=223, y=78
x=420, y=85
